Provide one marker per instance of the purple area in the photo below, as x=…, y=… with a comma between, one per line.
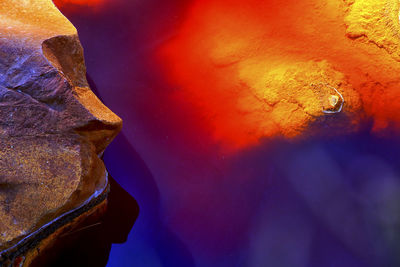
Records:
x=321, y=202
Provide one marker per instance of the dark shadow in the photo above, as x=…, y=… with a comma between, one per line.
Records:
x=89, y=244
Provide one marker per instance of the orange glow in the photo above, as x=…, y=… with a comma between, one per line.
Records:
x=250, y=67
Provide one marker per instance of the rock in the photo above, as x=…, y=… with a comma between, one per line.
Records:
x=296, y=95
x=375, y=22
x=52, y=127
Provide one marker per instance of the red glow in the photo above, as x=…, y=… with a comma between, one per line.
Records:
x=61, y=3
x=224, y=48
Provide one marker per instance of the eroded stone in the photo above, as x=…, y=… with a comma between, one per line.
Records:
x=52, y=127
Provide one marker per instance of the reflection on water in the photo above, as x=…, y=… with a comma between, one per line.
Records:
x=319, y=202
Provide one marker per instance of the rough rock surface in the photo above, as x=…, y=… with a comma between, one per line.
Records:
x=376, y=22
x=293, y=95
x=52, y=127
x=269, y=70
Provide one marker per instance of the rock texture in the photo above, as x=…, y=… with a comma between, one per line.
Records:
x=52, y=127
x=258, y=70
x=376, y=22
x=294, y=95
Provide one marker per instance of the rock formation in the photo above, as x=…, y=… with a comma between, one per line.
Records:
x=52, y=128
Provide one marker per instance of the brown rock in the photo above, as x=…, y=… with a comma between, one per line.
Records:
x=52, y=127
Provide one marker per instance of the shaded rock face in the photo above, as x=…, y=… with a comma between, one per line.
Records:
x=52, y=127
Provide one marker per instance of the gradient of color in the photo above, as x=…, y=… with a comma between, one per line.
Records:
x=219, y=178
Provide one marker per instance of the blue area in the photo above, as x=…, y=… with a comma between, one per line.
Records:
x=318, y=202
